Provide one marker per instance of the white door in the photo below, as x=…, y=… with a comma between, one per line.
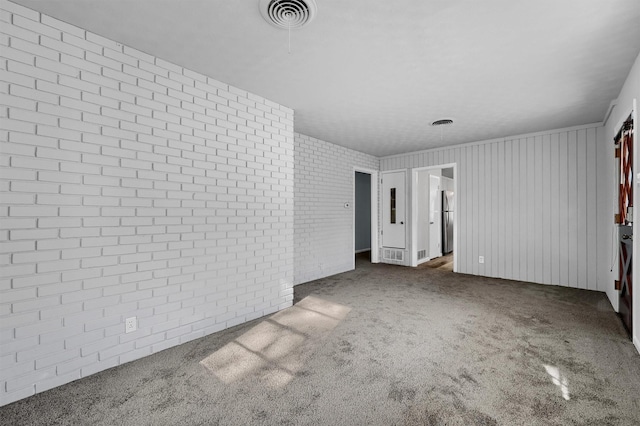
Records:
x=435, y=217
x=393, y=210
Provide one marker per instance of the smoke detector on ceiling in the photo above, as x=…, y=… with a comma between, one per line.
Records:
x=442, y=122
x=288, y=14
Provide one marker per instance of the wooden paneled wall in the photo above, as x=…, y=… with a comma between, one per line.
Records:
x=527, y=204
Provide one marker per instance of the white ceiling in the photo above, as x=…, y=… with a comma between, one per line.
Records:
x=372, y=75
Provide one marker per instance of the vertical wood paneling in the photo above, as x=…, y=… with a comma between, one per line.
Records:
x=581, y=206
x=507, y=214
x=527, y=204
x=485, y=169
x=539, y=213
x=563, y=209
x=525, y=210
x=494, y=168
x=475, y=231
x=545, y=228
x=532, y=209
x=572, y=190
x=592, y=195
x=517, y=219
x=482, y=191
x=460, y=207
x=554, y=245
x=499, y=214
x=469, y=212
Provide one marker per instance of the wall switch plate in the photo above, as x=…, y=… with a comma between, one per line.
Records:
x=480, y=259
x=130, y=325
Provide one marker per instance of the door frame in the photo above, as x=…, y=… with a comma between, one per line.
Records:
x=375, y=249
x=414, y=213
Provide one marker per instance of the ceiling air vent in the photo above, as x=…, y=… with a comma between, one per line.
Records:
x=443, y=122
x=288, y=14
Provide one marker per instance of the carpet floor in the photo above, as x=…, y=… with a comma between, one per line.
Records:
x=381, y=345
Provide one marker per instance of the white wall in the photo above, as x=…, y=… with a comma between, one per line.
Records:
x=607, y=205
x=130, y=187
x=323, y=227
x=526, y=203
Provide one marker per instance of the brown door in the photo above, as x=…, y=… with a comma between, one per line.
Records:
x=625, y=199
x=626, y=286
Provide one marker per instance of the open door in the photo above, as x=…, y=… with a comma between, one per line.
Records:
x=624, y=140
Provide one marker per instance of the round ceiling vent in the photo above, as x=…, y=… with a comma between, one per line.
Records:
x=288, y=14
x=443, y=122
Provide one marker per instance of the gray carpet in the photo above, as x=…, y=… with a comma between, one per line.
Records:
x=381, y=345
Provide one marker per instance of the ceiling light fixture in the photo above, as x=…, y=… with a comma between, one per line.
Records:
x=288, y=14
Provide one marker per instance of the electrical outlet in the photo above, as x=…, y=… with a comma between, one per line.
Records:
x=480, y=259
x=130, y=325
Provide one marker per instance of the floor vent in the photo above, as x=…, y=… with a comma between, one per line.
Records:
x=391, y=254
x=422, y=254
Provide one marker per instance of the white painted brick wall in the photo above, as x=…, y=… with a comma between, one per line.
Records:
x=324, y=179
x=130, y=187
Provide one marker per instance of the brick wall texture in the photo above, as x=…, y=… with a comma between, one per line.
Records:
x=324, y=182
x=134, y=187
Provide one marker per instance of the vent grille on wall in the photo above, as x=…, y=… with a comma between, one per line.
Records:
x=389, y=254
x=288, y=14
x=422, y=254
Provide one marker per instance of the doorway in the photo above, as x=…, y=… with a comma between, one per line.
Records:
x=433, y=217
x=362, y=216
x=365, y=216
x=624, y=219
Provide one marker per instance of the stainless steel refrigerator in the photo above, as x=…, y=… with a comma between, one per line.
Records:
x=447, y=221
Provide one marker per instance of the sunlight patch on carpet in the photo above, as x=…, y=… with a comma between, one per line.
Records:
x=275, y=350
x=559, y=380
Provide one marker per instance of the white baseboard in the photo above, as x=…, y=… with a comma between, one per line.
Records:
x=636, y=343
x=363, y=250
